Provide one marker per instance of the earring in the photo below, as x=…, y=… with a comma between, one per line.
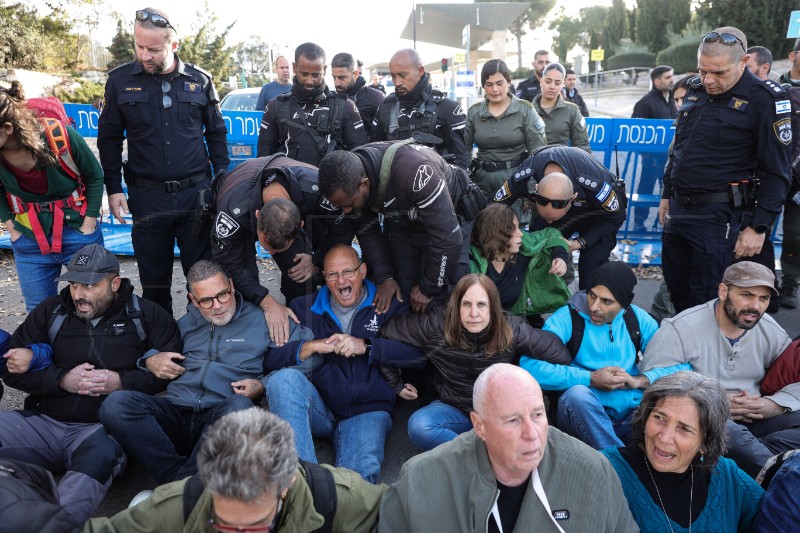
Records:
x=702, y=457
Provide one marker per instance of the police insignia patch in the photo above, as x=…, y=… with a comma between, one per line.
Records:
x=612, y=202
x=225, y=225
x=502, y=193
x=738, y=104
x=191, y=87
x=783, y=130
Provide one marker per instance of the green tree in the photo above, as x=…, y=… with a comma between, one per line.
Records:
x=208, y=49
x=764, y=22
x=651, y=24
x=680, y=14
x=253, y=55
x=121, y=48
x=530, y=19
x=30, y=41
x=569, y=32
x=616, y=25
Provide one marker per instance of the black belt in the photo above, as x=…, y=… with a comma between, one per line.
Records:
x=491, y=166
x=703, y=198
x=168, y=186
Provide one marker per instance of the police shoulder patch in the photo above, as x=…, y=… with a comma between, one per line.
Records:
x=502, y=193
x=593, y=184
x=783, y=130
x=775, y=89
x=225, y=225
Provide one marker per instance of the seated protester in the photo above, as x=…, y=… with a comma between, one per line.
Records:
x=460, y=340
x=98, y=330
x=784, y=371
x=605, y=334
x=780, y=509
x=209, y=380
x=511, y=473
x=345, y=399
x=30, y=358
x=29, y=500
x=731, y=340
x=525, y=267
x=250, y=480
x=676, y=456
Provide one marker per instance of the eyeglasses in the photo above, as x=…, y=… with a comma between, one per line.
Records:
x=557, y=204
x=166, y=101
x=223, y=298
x=350, y=273
x=250, y=529
x=157, y=20
x=724, y=38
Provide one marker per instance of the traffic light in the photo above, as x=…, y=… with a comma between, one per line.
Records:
x=444, y=64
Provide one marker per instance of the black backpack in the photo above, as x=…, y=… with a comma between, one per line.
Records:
x=29, y=500
x=133, y=314
x=578, y=325
x=320, y=483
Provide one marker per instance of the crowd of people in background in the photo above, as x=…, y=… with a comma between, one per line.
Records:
x=538, y=407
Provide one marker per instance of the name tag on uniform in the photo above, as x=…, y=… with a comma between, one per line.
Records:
x=133, y=89
x=191, y=87
x=737, y=104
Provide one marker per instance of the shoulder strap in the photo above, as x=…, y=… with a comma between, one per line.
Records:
x=574, y=342
x=386, y=169
x=323, y=492
x=58, y=139
x=632, y=323
x=55, y=322
x=336, y=109
x=133, y=312
x=192, y=491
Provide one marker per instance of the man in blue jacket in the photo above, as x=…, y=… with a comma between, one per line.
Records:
x=600, y=385
x=345, y=398
x=225, y=340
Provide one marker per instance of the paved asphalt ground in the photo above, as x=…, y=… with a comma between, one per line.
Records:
x=398, y=446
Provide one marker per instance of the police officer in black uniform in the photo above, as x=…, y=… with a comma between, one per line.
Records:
x=166, y=108
x=241, y=219
x=728, y=174
x=427, y=205
x=529, y=88
x=310, y=121
x=347, y=79
x=588, y=201
x=416, y=107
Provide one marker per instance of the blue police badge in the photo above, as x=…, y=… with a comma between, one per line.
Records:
x=783, y=130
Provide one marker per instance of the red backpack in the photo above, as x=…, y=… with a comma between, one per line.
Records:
x=50, y=107
x=58, y=140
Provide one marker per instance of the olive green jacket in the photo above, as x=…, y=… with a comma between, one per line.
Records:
x=564, y=124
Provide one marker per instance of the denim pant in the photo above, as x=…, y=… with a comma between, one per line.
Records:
x=435, y=424
x=37, y=272
x=581, y=415
x=159, y=434
x=780, y=509
x=751, y=445
x=358, y=441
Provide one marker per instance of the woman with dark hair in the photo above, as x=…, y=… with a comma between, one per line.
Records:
x=460, y=341
x=48, y=214
x=673, y=473
x=525, y=267
x=505, y=129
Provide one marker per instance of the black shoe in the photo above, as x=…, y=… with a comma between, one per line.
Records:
x=789, y=298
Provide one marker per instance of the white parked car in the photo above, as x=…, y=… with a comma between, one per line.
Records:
x=241, y=99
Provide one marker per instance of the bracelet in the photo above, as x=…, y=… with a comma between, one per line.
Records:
x=581, y=242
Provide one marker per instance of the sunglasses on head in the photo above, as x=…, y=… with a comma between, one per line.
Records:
x=724, y=38
x=557, y=204
x=157, y=20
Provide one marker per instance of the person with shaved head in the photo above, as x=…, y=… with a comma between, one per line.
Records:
x=510, y=473
x=575, y=194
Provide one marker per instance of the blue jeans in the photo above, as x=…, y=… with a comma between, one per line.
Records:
x=435, y=424
x=38, y=272
x=780, y=509
x=159, y=434
x=581, y=415
x=358, y=441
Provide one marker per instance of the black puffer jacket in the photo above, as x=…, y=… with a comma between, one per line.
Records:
x=458, y=368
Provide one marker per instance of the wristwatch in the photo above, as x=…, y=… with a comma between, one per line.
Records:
x=761, y=229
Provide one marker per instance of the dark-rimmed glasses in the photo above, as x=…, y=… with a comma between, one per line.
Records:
x=166, y=101
x=223, y=298
x=724, y=38
x=543, y=201
x=350, y=273
x=157, y=20
x=250, y=529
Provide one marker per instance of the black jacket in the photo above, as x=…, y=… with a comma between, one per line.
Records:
x=112, y=344
x=459, y=368
x=283, y=130
x=528, y=89
x=598, y=211
x=576, y=99
x=653, y=105
x=420, y=195
x=367, y=100
x=424, y=110
x=163, y=143
x=239, y=196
